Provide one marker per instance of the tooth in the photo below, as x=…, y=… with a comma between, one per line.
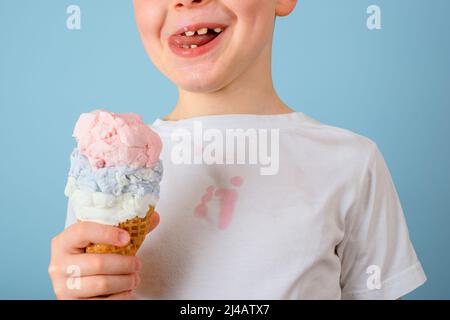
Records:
x=202, y=31
x=218, y=30
x=189, y=33
x=185, y=46
x=193, y=46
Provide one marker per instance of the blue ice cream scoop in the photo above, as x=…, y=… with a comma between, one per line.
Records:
x=115, y=180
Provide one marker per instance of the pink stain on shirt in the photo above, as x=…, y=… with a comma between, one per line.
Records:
x=228, y=202
x=201, y=210
x=228, y=198
x=237, y=181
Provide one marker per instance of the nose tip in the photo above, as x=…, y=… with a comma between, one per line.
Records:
x=180, y=4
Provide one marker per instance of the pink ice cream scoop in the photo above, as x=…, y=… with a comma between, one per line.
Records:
x=111, y=139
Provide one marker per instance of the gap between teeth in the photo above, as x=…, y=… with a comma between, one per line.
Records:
x=201, y=31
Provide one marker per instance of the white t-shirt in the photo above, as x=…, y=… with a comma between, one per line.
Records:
x=310, y=212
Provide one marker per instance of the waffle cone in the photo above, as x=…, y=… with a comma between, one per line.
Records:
x=136, y=227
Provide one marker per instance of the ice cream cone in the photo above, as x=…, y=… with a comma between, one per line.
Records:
x=114, y=176
x=137, y=228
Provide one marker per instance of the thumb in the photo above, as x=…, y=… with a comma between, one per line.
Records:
x=82, y=234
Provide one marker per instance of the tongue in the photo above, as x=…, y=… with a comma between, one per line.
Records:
x=198, y=40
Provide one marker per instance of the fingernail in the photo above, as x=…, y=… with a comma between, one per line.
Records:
x=124, y=237
x=138, y=264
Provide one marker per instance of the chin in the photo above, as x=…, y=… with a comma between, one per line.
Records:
x=200, y=82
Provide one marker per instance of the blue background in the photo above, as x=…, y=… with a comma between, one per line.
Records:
x=391, y=85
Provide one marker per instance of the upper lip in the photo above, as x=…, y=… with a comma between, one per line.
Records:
x=198, y=26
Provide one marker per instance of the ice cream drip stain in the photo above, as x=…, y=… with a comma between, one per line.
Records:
x=228, y=202
x=237, y=181
x=227, y=198
x=201, y=210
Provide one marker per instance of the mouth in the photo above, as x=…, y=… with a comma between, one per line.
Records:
x=196, y=40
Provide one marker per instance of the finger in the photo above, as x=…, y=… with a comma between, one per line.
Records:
x=94, y=286
x=102, y=264
x=82, y=234
x=127, y=295
x=154, y=221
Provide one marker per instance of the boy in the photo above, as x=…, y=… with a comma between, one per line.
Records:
x=324, y=222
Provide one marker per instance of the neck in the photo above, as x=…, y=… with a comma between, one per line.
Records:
x=251, y=93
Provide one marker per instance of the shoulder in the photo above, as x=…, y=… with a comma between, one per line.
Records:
x=340, y=142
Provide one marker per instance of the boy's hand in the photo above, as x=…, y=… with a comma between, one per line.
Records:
x=79, y=275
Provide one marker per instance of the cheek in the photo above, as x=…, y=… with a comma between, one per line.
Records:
x=255, y=20
x=251, y=7
x=149, y=19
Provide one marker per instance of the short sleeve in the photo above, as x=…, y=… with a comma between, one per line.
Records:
x=70, y=217
x=378, y=260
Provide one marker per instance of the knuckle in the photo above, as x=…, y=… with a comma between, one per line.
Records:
x=102, y=284
x=137, y=280
x=99, y=264
x=131, y=264
x=79, y=230
x=53, y=269
x=54, y=243
x=106, y=234
x=132, y=281
x=110, y=235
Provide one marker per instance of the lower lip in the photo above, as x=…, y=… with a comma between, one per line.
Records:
x=196, y=52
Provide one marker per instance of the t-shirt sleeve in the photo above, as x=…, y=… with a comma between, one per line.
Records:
x=378, y=260
x=70, y=217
